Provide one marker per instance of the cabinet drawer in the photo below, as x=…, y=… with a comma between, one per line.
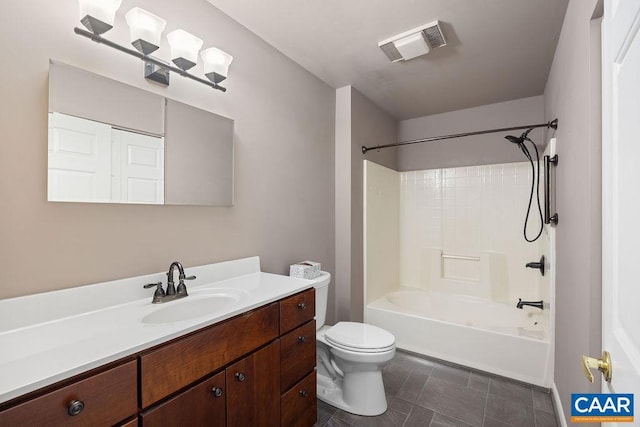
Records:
x=296, y=310
x=299, y=405
x=107, y=398
x=202, y=405
x=175, y=365
x=297, y=354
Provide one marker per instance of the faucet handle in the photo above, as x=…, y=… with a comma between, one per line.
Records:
x=158, y=294
x=182, y=288
x=151, y=285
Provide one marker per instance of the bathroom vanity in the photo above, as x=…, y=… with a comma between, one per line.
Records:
x=250, y=362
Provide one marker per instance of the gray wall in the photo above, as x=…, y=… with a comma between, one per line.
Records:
x=472, y=150
x=284, y=135
x=573, y=95
x=358, y=122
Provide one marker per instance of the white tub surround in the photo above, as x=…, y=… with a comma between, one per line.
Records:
x=444, y=267
x=55, y=335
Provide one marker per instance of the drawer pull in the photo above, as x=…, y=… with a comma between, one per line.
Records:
x=302, y=306
x=240, y=376
x=217, y=391
x=75, y=407
x=302, y=339
x=303, y=393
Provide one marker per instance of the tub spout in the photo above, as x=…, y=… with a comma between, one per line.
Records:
x=536, y=304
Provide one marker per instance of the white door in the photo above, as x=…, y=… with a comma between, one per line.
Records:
x=621, y=196
x=79, y=160
x=138, y=168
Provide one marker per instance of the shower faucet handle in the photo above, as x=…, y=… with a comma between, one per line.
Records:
x=538, y=265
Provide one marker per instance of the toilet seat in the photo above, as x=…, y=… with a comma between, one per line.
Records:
x=360, y=338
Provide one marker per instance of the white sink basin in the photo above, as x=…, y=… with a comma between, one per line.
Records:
x=200, y=303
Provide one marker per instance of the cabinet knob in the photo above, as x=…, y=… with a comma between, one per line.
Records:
x=240, y=376
x=303, y=393
x=75, y=407
x=217, y=391
x=302, y=306
x=302, y=338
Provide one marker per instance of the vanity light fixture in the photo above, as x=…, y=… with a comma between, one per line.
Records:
x=146, y=33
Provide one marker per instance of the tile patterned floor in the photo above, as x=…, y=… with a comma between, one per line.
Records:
x=425, y=393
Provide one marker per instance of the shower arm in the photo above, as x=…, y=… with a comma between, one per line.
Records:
x=553, y=124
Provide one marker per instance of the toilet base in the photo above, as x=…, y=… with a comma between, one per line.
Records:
x=331, y=392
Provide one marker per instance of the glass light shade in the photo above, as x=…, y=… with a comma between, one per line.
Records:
x=216, y=64
x=98, y=15
x=145, y=29
x=184, y=48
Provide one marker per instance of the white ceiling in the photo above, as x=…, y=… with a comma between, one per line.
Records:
x=497, y=50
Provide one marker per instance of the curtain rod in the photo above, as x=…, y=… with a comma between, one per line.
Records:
x=552, y=124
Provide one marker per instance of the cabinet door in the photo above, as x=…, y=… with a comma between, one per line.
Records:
x=253, y=389
x=201, y=405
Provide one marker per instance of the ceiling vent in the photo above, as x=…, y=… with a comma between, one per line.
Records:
x=413, y=43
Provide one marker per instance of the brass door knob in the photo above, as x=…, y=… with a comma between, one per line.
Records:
x=603, y=365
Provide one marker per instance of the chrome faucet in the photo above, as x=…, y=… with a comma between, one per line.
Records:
x=536, y=304
x=160, y=296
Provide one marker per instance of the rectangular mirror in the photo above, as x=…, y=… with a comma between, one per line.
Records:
x=114, y=143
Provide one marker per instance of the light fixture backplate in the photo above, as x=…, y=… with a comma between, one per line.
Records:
x=156, y=73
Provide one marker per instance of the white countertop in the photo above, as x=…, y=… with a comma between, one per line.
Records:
x=54, y=347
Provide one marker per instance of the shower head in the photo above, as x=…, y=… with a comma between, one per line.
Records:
x=519, y=139
x=514, y=139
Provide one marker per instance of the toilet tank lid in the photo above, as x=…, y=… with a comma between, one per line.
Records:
x=359, y=335
x=322, y=280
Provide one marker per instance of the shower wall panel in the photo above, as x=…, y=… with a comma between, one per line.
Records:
x=382, y=216
x=466, y=212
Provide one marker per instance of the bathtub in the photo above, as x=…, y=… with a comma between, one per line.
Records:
x=470, y=331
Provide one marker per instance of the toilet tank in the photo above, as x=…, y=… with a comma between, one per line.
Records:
x=321, y=283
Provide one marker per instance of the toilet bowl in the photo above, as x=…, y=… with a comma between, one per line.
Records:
x=350, y=358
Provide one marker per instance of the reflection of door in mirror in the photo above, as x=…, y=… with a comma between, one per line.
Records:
x=93, y=162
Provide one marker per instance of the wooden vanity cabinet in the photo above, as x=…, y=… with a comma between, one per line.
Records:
x=173, y=366
x=256, y=369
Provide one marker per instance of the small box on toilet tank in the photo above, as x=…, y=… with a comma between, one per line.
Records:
x=305, y=270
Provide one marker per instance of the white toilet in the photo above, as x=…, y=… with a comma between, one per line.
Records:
x=350, y=358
